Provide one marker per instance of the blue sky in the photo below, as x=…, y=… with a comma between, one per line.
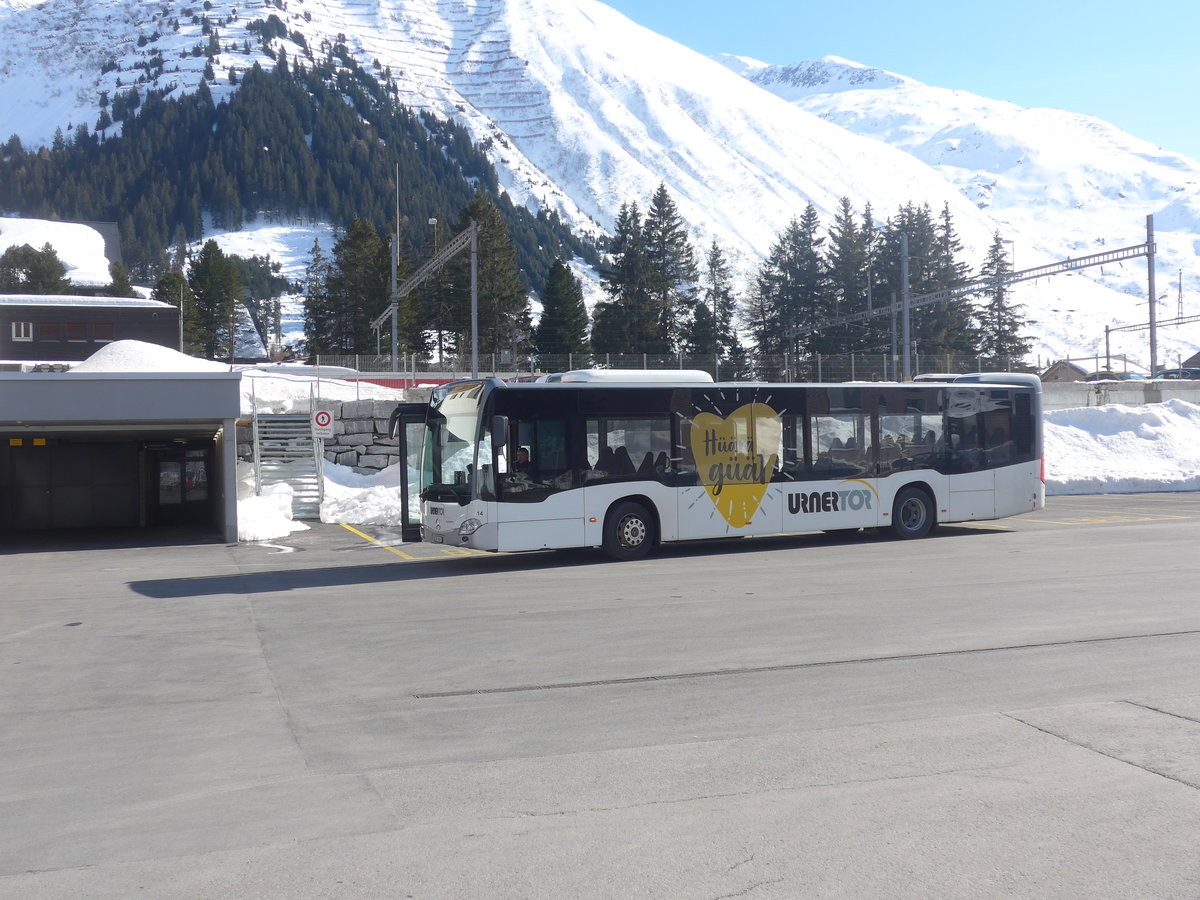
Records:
x=1136, y=65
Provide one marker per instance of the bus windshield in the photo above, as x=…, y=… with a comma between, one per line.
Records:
x=451, y=444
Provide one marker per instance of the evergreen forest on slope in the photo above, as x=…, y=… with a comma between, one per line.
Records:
x=296, y=144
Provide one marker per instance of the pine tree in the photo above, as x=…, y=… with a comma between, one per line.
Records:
x=214, y=282
x=625, y=322
x=355, y=292
x=1000, y=321
x=564, y=322
x=846, y=261
x=760, y=315
x=718, y=303
x=503, y=302
x=24, y=270
x=793, y=288
x=700, y=336
x=949, y=325
x=120, y=286
x=671, y=271
x=317, y=311
x=876, y=331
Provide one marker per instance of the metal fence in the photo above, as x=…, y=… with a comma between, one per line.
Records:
x=785, y=367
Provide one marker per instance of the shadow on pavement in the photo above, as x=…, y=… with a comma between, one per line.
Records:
x=65, y=540
x=289, y=579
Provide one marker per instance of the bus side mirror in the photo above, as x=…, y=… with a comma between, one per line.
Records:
x=499, y=431
x=500, y=442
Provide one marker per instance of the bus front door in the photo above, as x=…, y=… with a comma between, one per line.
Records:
x=408, y=426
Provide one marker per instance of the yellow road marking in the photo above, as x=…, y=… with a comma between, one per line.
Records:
x=1114, y=519
x=367, y=537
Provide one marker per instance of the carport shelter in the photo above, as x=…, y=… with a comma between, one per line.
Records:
x=119, y=450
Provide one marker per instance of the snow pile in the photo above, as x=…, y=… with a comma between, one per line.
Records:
x=79, y=247
x=366, y=499
x=139, y=356
x=1123, y=449
x=266, y=516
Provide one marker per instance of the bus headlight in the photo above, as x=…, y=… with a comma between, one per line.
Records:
x=469, y=527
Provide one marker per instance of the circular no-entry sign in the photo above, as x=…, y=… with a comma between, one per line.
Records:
x=322, y=423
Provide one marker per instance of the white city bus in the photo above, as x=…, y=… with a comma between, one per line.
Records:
x=591, y=461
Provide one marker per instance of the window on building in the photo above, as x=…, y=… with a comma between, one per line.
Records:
x=22, y=331
x=49, y=331
x=102, y=331
x=76, y=331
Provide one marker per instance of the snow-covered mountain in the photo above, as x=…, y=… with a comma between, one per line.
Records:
x=582, y=110
x=1057, y=183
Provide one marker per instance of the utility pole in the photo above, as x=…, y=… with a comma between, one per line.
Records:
x=905, y=311
x=395, y=267
x=1153, y=297
x=475, y=300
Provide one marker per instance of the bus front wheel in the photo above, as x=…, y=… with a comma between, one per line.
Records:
x=628, y=531
x=913, y=514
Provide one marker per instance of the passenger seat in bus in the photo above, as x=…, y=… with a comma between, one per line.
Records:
x=622, y=464
x=647, y=466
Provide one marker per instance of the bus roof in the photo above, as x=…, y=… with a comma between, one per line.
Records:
x=632, y=376
x=696, y=378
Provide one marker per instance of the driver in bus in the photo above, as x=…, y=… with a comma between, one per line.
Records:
x=523, y=464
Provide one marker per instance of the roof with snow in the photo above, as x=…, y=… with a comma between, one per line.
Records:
x=75, y=300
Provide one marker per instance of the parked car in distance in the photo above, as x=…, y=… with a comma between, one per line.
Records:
x=1115, y=376
x=1180, y=374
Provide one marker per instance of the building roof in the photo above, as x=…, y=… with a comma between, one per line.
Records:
x=78, y=300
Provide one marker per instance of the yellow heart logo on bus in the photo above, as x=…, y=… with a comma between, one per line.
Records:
x=735, y=458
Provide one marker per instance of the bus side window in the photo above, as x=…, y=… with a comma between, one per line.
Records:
x=841, y=445
x=1023, y=424
x=547, y=469
x=964, y=449
x=628, y=446
x=997, y=432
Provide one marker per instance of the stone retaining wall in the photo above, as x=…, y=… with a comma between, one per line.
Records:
x=360, y=433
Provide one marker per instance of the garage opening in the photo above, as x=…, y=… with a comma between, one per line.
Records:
x=85, y=481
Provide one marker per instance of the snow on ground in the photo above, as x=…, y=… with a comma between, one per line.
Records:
x=266, y=516
x=1123, y=449
x=79, y=247
x=366, y=499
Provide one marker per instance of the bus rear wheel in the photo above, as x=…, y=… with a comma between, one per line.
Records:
x=913, y=515
x=629, y=531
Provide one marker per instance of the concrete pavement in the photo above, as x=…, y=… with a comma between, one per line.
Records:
x=994, y=712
